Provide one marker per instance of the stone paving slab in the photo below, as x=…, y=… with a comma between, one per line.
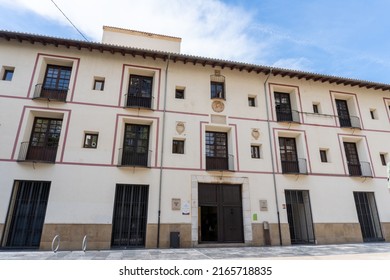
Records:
x=342, y=251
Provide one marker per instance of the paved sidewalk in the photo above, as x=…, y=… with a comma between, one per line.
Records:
x=365, y=251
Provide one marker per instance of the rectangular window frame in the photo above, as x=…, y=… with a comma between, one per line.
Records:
x=178, y=146
x=179, y=93
x=98, y=84
x=8, y=74
x=383, y=159
x=324, y=156
x=315, y=109
x=252, y=101
x=92, y=143
x=255, y=152
x=217, y=90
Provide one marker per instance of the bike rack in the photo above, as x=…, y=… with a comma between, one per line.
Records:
x=85, y=243
x=58, y=239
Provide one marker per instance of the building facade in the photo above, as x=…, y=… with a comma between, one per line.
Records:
x=132, y=144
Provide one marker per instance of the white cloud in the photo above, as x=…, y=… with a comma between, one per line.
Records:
x=208, y=28
x=300, y=63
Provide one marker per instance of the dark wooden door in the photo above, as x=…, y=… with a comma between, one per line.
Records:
x=221, y=217
x=343, y=113
x=352, y=159
x=283, y=106
x=288, y=155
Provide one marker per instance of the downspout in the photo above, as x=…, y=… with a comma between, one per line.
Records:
x=162, y=151
x=272, y=158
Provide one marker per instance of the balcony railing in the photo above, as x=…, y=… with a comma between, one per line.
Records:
x=363, y=169
x=220, y=163
x=350, y=121
x=37, y=153
x=294, y=167
x=50, y=93
x=131, y=158
x=138, y=102
x=287, y=116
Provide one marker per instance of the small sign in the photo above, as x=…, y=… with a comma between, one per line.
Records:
x=176, y=204
x=185, y=207
x=263, y=205
x=254, y=217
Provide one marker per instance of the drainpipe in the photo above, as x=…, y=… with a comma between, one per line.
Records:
x=272, y=157
x=162, y=151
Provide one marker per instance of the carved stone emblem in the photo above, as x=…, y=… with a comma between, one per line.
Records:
x=255, y=133
x=218, y=106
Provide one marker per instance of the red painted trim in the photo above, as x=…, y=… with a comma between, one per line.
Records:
x=66, y=135
x=21, y=121
x=141, y=67
x=237, y=153
x=135, y=117
x=201, y=142
x=247, y=119
x=55, y=56
x=185, y=113
x=33, y=75
x=14, y=97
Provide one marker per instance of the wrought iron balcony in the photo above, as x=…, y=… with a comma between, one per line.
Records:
x=287, y=116
x=294, y=167
x=349, y=121
x=50, y=93
x=363, y=169
x=220, y=163
x=128, y=157
x=37, y=153
x=138, y=102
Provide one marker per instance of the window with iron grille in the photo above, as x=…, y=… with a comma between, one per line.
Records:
x=98, y=84
x=217, y=90
x=178, y=146
x=140, y=91
x=255, y=151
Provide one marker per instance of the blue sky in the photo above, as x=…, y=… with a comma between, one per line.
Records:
x=348, y=38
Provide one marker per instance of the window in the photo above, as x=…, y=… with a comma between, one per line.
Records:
x=252, y=101
x=283, y=107
x=56, y=83
x=216, y=151
x=255, y=151
x=90, y=140
x=373, y=114
x=315, y=109
x=383, y=159
x=217, y=90
x=324, y=156
x=140, y=91
x=178, y=146
x=8, y=74
x=135, y=150
x=179, y=93
x=98, y=84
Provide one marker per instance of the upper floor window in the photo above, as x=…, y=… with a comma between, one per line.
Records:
x=252, y=101
x=98, y=84
x=135, y=151
x=217, y=85
x=284, y=113
x=55, y=84
x=44, y=140
x=179, y=93
x=90, y=140
x=8, y=74
x=255, y=151
x=140, y=91
x=315, y=109
x=178, y=146
x=345, y=118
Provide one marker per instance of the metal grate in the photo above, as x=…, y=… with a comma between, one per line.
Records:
x=299, y=217
x=368, y=216
x=130, y=216
x=26, y=214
